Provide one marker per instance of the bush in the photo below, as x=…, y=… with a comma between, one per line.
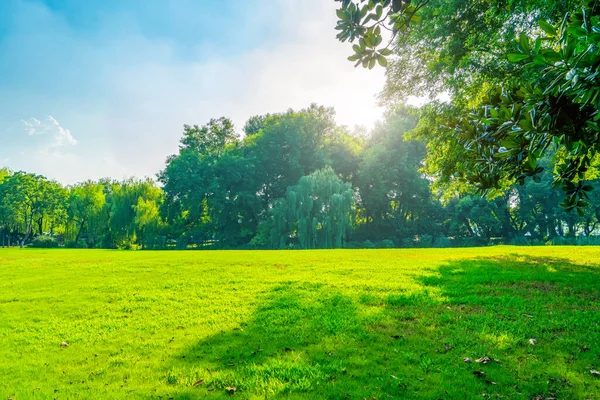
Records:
x=107, y=242
x=563, y=241
x=442, y=242
x=353, y=245
x=520, y=241
x=425, y=240
x=468, y=242
x=81, y=244
x=182, y=243
x=367, y=244
x=125, y=245
x=386, y=244
x=44, y=242
x=407, y=243
x=588, y=241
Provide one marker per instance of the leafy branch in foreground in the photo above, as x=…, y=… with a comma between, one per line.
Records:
x=362, y=22
x=552, y=105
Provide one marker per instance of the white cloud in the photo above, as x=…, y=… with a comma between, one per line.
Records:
x=58, y=135
x=33, y=126
x=63, y=136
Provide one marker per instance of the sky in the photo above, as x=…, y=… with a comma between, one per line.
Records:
x=102, y=88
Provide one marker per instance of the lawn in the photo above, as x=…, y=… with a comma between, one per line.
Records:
x=339, y=324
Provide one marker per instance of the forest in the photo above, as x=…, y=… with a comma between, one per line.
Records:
x=293, y=180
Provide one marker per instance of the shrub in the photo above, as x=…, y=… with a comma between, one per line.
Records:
x=387, y=244
x=125, y=245
x=563, y=241
x=81, y=244
x=442, y=242
x=107, y=242
x=44, y=242
x=519, y=241
x=182, y=243
x=425, y=240
x=407, y=243
x=367, y=244
x=467, y=242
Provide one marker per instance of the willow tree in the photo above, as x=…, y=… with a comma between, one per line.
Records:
x=316, y=213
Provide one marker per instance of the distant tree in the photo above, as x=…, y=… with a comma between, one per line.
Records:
x=317, y=211
x=190, y=179
x=147, y=218
x=393, y=192
x=28, y=200
x=344, y=152
x=86, y=201
x=255, y=124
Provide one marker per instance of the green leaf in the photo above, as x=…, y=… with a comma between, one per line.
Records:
x=372, y=62
x=516, y=57
x=524, y=43
x=546, y=27
x=378, y=40
x=382, y=60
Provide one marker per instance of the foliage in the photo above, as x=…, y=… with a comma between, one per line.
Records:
x=80, y=244
x=555, y=106
x=440, y=45
x=316, y=212
x=44, y=242
x=528, y=100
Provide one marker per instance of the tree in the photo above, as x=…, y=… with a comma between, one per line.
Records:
x=440, y=45
x=188, y=178
x=211, y=138
x=344, y=152
x=86, y=201
x=552, y=106
x=147, y=218
x=519, y=113
x=217, y=192
x=315, y=212
x=393, y=192
x=7, y=216
x=27, y=200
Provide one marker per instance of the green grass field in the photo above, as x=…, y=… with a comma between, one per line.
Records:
x=343, y=324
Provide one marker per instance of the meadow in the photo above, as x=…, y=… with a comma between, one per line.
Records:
x=331, y=324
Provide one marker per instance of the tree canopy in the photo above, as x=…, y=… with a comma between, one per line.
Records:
x=521, y=75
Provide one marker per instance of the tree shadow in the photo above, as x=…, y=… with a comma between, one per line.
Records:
x=330, y=341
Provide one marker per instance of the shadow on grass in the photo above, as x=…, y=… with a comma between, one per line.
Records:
x=319, y=341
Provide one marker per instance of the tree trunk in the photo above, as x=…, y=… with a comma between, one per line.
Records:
x=79, y=232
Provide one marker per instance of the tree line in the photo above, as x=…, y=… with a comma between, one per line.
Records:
x=292, y=180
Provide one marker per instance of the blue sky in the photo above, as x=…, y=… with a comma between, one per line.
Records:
x=99, y=88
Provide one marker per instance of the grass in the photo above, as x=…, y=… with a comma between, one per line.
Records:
x=343, y=324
